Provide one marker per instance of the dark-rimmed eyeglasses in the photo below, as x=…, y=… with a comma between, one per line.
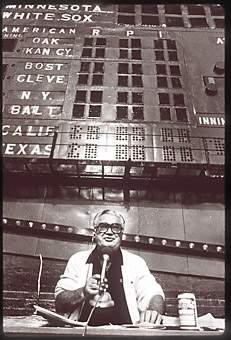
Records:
x=116, y=228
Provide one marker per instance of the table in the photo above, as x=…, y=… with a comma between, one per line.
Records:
x=37, y=325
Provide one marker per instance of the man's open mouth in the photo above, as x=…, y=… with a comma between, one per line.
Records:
x=109, y=239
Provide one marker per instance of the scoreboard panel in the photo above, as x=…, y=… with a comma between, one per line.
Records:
x=120, y=142
x=123, y=83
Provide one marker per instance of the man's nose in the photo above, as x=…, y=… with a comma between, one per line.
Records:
x=109, y=231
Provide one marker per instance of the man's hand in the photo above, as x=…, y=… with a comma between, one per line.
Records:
x=150, y=317
x=93, y=287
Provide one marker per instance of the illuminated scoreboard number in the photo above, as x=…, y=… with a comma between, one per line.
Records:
x=175, y=144
x=123, y=141
x=105, y=141
x=214, y=147
x=141, y=142
x=81, y=141
x=92, y=141
x=117, y=142
x=84, y=142
x=137, y=143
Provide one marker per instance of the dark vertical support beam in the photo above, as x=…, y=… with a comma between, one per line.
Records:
x=52, y=151
x=102, y=163
x=126, y=181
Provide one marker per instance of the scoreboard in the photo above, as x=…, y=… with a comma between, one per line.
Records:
x=89, y=88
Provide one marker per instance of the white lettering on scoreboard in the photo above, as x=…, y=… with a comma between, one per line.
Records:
x=212, y=121
x=49, y=41
x=27, y=140
x=44, y=66
x=30, y=130
x=33, y=110
x=57, y=96
x=10, y=31
x=220, y=41
x=64, y=7
x=25, y=149
x=80, y=18
x=41, y=78
x=59, y=13
x=63, y=52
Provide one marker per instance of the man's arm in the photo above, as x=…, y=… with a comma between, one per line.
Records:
x=157, y=303
x=155, y=309
x=150, y=295
x=68, y=300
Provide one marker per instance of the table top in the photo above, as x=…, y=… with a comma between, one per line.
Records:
x=37, y=325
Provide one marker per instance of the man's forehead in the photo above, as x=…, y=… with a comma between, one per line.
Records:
x=109, y=218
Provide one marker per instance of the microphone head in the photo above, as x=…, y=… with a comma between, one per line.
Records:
x=106, y=257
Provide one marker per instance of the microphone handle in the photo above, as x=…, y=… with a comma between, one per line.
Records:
x=103, y=271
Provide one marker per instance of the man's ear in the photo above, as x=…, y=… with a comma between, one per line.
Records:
x=93, y=238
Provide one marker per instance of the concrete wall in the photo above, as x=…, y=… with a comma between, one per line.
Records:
x=157, y=214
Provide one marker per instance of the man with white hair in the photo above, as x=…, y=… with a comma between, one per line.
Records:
x=126, y=294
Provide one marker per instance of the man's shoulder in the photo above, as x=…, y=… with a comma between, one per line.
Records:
x=128, y=256
x=81, y=255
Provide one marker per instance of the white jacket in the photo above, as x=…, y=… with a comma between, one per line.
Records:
x=139, y=284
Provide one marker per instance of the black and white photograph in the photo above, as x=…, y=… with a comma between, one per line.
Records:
x=113, y=157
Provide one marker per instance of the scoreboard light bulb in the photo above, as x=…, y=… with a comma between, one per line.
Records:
x=219, y=249
x=178, y=243
x=56, y=228
x=18, y=222
x=4, y=221
x=150, y=240
x=124, y=237
x=137, y=238
x=164, y=242
x=191, y=245
x=43, y=226
x=31, y=224
x=205, y=247
x=70, y=230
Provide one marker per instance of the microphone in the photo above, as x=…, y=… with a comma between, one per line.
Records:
x=106, y=258
x=103, y=299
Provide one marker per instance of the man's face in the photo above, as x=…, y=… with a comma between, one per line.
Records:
x=108, y=233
